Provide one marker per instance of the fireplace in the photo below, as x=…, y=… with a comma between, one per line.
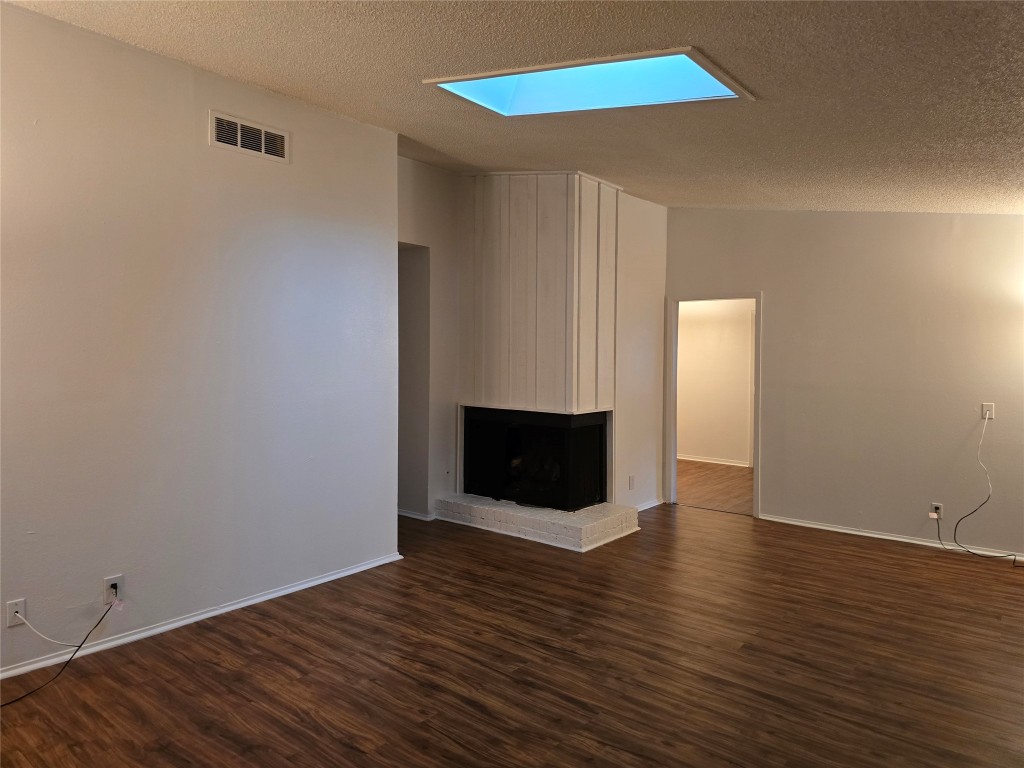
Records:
x=553, y=460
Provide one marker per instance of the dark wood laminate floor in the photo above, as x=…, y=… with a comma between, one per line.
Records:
x=703, y=640
x=715, y=486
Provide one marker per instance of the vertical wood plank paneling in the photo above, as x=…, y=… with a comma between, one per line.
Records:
x=553, y=231
x=531, y=297
x=479, y=275
x=606, y=273
x=572, y=288
x=467, y=268
x=587, y=296
x=546, y=267
x=504, y=293
x=517, y=204
x=494, y=355
x=522, y=232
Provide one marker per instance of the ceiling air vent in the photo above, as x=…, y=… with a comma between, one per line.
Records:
x=241, y=135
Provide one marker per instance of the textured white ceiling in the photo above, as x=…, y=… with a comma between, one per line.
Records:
x=860, y=106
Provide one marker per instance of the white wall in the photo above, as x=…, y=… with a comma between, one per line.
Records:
x=413, y=379
x=199, y=347
x=881, y=336
x=429, y=204
x=714, y=409
x=639, y=352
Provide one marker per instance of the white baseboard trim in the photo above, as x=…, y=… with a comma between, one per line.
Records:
x=417, y=515
x=950, y=547
x=647, y=505
x=165, y=626
x=708, y=460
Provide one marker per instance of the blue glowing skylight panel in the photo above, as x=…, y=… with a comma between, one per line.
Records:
x=606, y=85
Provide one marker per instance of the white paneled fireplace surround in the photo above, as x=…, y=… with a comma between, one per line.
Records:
x=540, y=332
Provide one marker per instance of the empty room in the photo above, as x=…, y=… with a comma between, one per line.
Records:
x=512, y=384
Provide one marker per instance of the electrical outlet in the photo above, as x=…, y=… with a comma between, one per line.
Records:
x=18, y=606
x=989, y=408
x=109, y=592
x=632, y=482
x=936, y=512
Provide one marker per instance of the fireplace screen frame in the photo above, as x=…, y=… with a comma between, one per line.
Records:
x=535, y=458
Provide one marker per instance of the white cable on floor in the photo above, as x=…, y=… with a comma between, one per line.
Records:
x=987, y=476
x=70, y=658
x=50, y=639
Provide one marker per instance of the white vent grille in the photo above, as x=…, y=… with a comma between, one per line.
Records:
x=242, y=135
x=274, y=144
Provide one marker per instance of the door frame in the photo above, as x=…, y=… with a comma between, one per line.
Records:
x=671, y=389
x=422, y=507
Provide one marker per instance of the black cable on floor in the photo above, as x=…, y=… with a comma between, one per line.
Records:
x=988, y=478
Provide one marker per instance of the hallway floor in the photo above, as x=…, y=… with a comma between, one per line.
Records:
x=715, y=486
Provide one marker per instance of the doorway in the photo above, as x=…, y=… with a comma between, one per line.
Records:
x=713, y=422
x=413, y=379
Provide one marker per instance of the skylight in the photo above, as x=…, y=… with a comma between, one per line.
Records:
x=664, y=78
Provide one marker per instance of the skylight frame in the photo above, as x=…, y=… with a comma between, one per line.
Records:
x=694, y=54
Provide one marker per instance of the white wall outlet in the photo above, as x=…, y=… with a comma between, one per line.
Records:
x=15, y=607
x=935, y=513
x=109, y=593
x=632, y=482
x=989, y=408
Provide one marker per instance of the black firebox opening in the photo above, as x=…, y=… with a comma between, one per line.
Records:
x=551, y=460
